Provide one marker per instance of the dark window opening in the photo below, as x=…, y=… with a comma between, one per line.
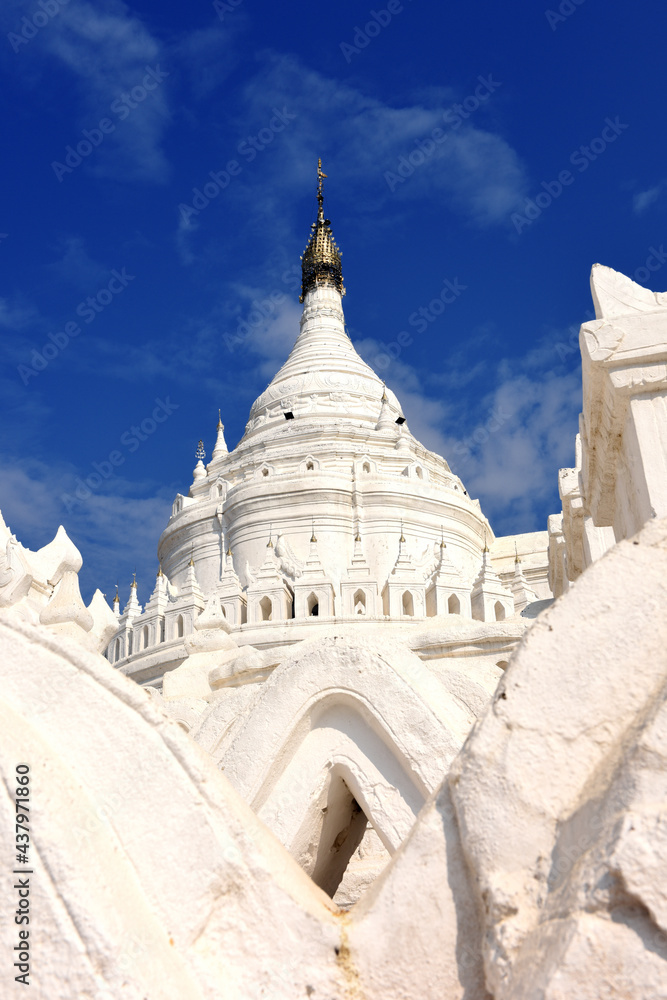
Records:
x=289, y=415
x=400, y=420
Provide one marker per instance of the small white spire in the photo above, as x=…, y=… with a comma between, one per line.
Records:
x=132, y=609
x=385, y=420
x=199, y=471
x=220, y=443
x=522, y=592
x=191, y=587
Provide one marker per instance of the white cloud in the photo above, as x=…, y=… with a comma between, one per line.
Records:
x=510, y=450
x=208, y=57
x=266, y=325
x=116, y=528
x=107, y=49
x=644, y=199
x=76, y=266
x=16, y=315
x=506, y=443
x=475, y=172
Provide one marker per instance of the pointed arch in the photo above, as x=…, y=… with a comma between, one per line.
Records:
x=313, y=605
x=359, y=602
x=408, y=604
x=309, y=464
x=453, y=605
x=349, y=713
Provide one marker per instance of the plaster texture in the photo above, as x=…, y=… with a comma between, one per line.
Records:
x=560, y=789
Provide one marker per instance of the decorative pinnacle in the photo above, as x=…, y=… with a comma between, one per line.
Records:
x=159, y=570
x=200, y=454
x=442, y=537
x=269, y=544
x=312, y=537
x=321, y=260
x=192, y=556
x=133, y=585
x=220, y=423
x=516, y=555
x=384, y=393
x=401, y=539
x=486, y=547
x=116, y=599
x=320, y=195
x=229, y=551
x=357, y=537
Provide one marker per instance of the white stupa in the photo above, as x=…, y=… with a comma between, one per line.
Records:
x=326, y=453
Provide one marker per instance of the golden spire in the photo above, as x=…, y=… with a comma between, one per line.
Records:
x=220, y=424
x=312, y=537
x=159, y=571
x=320, y=194
x=321, y=260
x=133, y=585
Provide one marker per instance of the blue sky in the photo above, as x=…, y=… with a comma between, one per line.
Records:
x=500, y=148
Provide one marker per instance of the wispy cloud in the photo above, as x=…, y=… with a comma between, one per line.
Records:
x=506, y=441
x=16, y=315
x=75, y=265
x=116, y=529
x=525, y=433
x=644, y=199
x=106, y=49
x=476, y=172
x=207, y=57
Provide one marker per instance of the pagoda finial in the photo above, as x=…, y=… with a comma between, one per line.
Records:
x=401, y=539
x=516, y=555
x=200, y=454
x=321, y=260
x=269, y=544
x=116, y=599
x=312, y=537
x=320, y=193
x=486, y=547
x=220, y=447
x=159, y=570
